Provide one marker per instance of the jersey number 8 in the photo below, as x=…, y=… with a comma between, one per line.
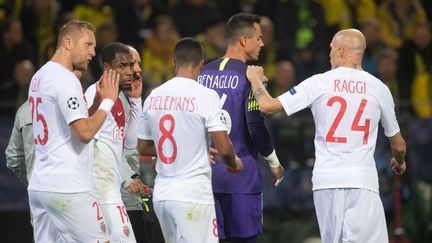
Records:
x=167, y=135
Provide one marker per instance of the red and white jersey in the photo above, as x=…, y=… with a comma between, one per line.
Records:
x=108, y=152
x=62, y=161
x=347, y=105
x=177, y=116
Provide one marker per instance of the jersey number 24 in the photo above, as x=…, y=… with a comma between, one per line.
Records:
x=355, y=126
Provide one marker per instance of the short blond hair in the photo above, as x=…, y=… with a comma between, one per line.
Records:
x=71, y=27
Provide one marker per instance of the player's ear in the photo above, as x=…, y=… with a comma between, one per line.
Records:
x=341, y=51
x=174, y=64
x=201, y=64
x=106, y=66
x=243, y=40
x=67, y=42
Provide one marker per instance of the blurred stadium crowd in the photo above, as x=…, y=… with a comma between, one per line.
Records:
x=296, y=34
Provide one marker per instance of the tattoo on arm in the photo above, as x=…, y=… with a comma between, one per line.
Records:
x=259, y=92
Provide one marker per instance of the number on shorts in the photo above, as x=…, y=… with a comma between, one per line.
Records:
x=39, y=118
x=215, y=229
x=355, y=126
x=167, y=135
x=123, y=213
x=98, y=216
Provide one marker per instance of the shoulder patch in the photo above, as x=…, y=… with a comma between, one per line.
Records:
x=73, y=103
x=292, y=91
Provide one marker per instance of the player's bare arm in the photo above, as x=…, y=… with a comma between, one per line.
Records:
x=146, y=148
x=398, y=147
x=226, y=151
x=85, y=129
x=256, y=77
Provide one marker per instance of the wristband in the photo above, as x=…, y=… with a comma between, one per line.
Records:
x=106, y=105
x=134, y=176
x=272, y=159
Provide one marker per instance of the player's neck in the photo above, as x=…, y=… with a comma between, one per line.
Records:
x=235, y=52
x=187, y=72
x=352, y=61
x=353, y=65
x=62, y=58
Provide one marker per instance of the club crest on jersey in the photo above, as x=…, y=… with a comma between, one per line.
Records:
x=73, y=103
x=126, y=230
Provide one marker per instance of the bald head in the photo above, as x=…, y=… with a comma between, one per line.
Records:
x=137, y=61
x=352, y=39
x=347, y=48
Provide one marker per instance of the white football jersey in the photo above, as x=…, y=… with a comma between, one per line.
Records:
x=177, y=116
x=108, y=152
x=62, y=161
x=347, y=105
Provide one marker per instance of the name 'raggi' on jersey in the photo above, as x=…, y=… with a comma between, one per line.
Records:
x=348, y=86
x=219, y=81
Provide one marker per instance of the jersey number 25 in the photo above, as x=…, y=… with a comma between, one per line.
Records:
x=39, y=118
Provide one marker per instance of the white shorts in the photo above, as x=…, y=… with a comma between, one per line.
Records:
x=67, y=217
x=350, y=215
x=117, y=220
x=183, y=222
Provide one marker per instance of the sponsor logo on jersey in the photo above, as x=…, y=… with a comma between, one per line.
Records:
x=73, y=103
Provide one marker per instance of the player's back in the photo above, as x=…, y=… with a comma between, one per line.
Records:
x=228, y=78
x=347, y=112
x=62, y=162
x=177, y=115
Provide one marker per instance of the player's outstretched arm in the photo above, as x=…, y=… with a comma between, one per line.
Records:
x=256, y=77
x=226, y=151
x=107, y=88
x=398, y=147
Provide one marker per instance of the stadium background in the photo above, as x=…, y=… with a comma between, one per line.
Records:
x=297, y=34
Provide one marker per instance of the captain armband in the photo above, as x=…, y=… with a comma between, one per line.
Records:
x=272, y=159
x=259, y=92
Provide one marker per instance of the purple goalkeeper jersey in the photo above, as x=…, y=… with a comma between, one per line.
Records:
x=245, y=125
